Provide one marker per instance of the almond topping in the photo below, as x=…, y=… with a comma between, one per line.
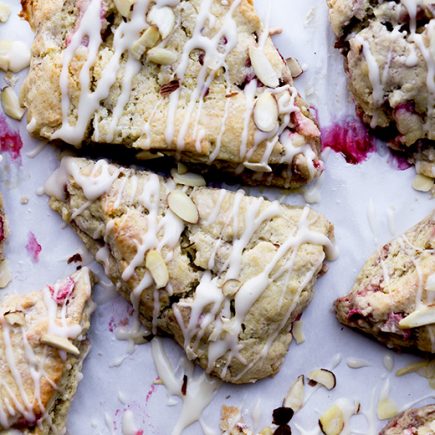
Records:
x=231, y=287
x=423, y=183
x=183, y=206
x=124, y=7
x=266, y=112
x=297, y=331
x=161, y=56
x=61, y=343
x=148, y=155
x=188, y=178
x=386, y=409
x=163, y=18
x=296, y=395
x=148, y=40
x=263, y=68
x=257, y=167
x=157, y=267
x=15, y=318
x=294, y=67
x=5, y=12
x=11, y=104
x=5, y=274
x=323, y=377
x=421, y=317
x=332, y=421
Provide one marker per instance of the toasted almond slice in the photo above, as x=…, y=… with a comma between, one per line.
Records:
x=157, y=267
x=421, y=317
x=411, y=368
x=5, y=274
x=294, y=67
x=148, y=39
x=188, y=178
x=266, y=112
x=163, y=18
x=263, y=68
x=257, y=167
x=423, y=183
x=61, y=343
x=323, y=377
x=11, y=104
x=332, y=421
x=297, y=331
x=181, y=168
x=183, y=206
x=148, y=155
x=296, y=395
x=231, y=287
x=161, y=56
x=124, y=7
x=386, y=409
x=5, y=12
x=15, y=318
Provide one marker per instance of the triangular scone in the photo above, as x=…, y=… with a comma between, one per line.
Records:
x=419, y=421
x=197, y=80
x=42, y=347
x=5, y=274
x=393, y=298
x=224, y=273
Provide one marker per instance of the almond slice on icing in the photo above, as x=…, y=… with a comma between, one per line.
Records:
x=161, y=56
x=157, y=267
x=294, y=67
x=124, y=7
x=163, y=18
x=11, y=104
x=257, y=167
x=421, y=317
x=61, y=343
x=323, y=377
x=422, y=183
x=332, y=421
x=5, y=12
x=263, y=68
x=266, y=112
x=386, y=409
x=297, y=331
x=15, y=318
x=296, y=395
x=183, y=206
x=188, y=178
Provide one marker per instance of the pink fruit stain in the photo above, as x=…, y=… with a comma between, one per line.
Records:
x=10, y=140
x=350, y=138
x=151, y=391
x=33, y=247
x=63, y=291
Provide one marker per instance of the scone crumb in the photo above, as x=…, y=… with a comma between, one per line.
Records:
x=24, y=200
x=422, y=183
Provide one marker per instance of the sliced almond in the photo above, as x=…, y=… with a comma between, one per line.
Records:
x=11, y=104
x=157, y=267
x=231, y=287
x=14, y=55
x=5, y=12
x=182, y=168
x=294, y=67
x=15, y=318
x=183, y=206
x=161, y=56
x=386, y=409
x=163, y=18
x=421, y=317
x=323, y=377
x=297, y=331
x=263, y=68
x=188, y=178
x=148, y=155
x=423, y=183
x=148, y=39
x=266, y=112
x=332, y=421
x=257, y=167
x=411, y=368
x=296, y=395
x=124, y=7
x=61, y=343
x=5, y=274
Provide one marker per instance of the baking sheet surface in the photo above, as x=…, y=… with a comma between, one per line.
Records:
x=368, y=204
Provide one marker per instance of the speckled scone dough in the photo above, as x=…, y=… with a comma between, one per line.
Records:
x=418, y=421
x=37, y=379
x=389, y=49
x=213, y=92
x=227, y=285
x=393, y=296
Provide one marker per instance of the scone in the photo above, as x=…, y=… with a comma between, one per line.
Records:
x=389, y=50
x=225, y=274
x=197, y=80
x=419, y=421
x=42, y=347
x=393, y=298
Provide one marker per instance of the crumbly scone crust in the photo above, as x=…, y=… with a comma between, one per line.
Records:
x=388, y=286
x=219, y=116
x=420, y=421
x=116, y=225
x=56, y=375
x=389, y=59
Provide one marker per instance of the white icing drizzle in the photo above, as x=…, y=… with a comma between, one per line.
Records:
x=129, y=426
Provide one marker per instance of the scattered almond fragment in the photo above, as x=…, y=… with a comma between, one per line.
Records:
x=297, y=331
x=266, y=112
x=183, y=206
x=5, y=274
x=263, y=68
x=386, y=409
x=323, y=377
x=188, y=178
x=124, y=7
x=421, y=317
x=296, y=395
x=422, y=183
x=257, y=167
x=148, y=155
x=5, y=12
x=163, y=18
x=294, y=67
x=61, y=343
x=15, y=318
x=157, y=267
x=410, y=368
x=148, y=40
x=332, y=421
x=11, y=104
x=161, y=56
x=231, y=287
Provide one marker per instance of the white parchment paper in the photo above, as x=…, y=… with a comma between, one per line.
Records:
x=368, y=204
